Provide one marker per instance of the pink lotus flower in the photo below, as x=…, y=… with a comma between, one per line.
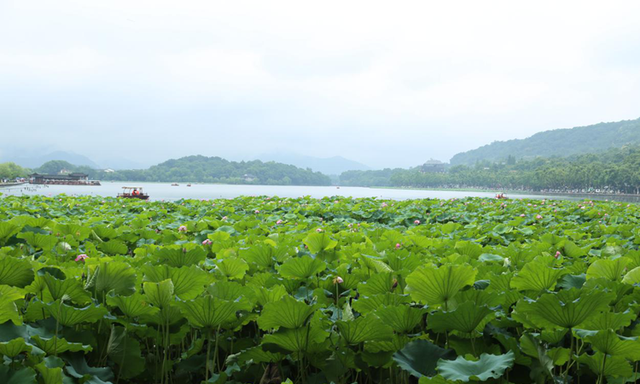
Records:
x=350, y=225
x=398, y=245
x=558, y=254
x=182, y=228
x=538, y=217
x=206, y=242
x=384, y=205
x=416, y=222
x=279, y=222
x=256, y=211
x=338, y=280
x=522, y=215
x=318, y=230
x=82, y=257
x=224, y=217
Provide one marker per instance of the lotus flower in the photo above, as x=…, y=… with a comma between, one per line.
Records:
x=182, y=228
x=538, y=217
x=522, y=215
x=224, y=217
x=384, y=205
x=558, y=254
x=257, y=211
x=206, y=242
x=318, y=230
x=338, y=280
x=416, y=222
x=398, y=245
x=82, y=257
x=279, y=222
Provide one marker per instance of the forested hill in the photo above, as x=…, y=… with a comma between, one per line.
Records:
x=560, y=142
x=202, y=169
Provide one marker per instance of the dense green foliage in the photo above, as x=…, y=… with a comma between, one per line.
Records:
x=560, y=142
x=614, y=171
x=261, y=290
x=202, y=169
x=11, y=171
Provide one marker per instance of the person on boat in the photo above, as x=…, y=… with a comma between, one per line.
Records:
x=135, y=192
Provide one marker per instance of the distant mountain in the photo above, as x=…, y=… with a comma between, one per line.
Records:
x=329, y=165
x=35, y=161
x=204, y=169
x=559, y=142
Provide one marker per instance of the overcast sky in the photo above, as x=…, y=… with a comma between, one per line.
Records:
x=389, y=83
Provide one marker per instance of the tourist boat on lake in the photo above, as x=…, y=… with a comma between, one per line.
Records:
x=133, y=193
x=175, y=184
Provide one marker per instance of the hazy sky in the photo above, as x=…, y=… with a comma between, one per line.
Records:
x=386, y=83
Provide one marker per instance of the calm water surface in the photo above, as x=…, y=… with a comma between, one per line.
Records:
x=164, y=191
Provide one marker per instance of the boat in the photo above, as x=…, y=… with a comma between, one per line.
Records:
x=175, y=184
x=502, y=196
x=188, y=185
x=133, y=193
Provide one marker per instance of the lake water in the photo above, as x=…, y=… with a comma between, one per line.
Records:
x=164, y=191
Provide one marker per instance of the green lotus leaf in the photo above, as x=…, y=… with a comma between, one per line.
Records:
x=370, y=304
x=468, y=248
x=401, y=318
x=208, y=312
x=364, y=328
x=378, y=283
x=132, y=306
x=39, y=240
x=15, y=272
x=233, y=268
x=78, y=231
x=301, y=267
x=268, y=295
x=14, y=347
x=159, y=294
x=55, y=346
x=78, y=368
x=188, y=282
x=233, y=291
x=287, y=312
x=420, y=357
x=114, y=247
x=262, y=255
x=114, y=276
x=24, y=375
x=176, y=256
x=255, y=354
x=125, y=351
x=559, y=356
x=7, y=230
x=437, y=285
x=609, y=320
x=465, y=318
x=609, y=343
x=70, y=288
x=296, y=340
x=572, y=281
x=573, y=251
x=565, y=309
x=51, y=370
x=489, y=257
x=70, y=316
x=607, y=268
x=615, y=366
x=318, y=242
x=486, y=367
x=375, y=264
x=536, y=276
x=632, y=277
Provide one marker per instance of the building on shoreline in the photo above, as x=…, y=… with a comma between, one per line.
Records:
x=68, y=179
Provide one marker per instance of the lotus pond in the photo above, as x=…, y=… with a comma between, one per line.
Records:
x=271, y=290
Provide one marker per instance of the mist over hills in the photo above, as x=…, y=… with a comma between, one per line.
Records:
x=329, y=165
x=559, y=142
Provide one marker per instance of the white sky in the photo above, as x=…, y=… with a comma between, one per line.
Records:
x=384, y=83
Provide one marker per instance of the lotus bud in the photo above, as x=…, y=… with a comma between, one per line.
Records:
x=338, y=280
x=398, y=245
x=506, y=263
x=558, y=254
x=182, y=228
x=82, y=257
x=206, y=242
